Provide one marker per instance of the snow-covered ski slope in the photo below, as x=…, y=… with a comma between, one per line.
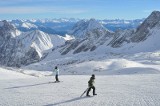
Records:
x=99, y=64
x=121, y=80
x=17, y=89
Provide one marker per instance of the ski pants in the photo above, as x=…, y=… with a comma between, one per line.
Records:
x=90, y=89
x=56, y=78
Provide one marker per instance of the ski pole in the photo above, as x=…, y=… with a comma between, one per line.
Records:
x=84, y=92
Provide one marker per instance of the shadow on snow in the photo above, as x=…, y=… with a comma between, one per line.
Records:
x=24, y=86
x=67, y=101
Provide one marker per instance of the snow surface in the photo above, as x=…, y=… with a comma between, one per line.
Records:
x=57, y=40
x=68, y=37
x=100, y=63
x=28, y=25
x=121, y=80
x=7, y=74
x=17, y=89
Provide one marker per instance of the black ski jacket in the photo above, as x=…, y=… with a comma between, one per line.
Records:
x=91, y=82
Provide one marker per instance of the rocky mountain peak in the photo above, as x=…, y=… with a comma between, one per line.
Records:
x=88, y=29
x=155, y=14
x=7, y=30
x=4, y=25
x=93, y=24
x=94, y=35
x=143, y=30
x=153, y=19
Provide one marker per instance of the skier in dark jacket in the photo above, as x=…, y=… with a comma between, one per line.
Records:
x=91, y=85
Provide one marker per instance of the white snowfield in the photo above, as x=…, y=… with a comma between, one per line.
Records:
x=17, y=89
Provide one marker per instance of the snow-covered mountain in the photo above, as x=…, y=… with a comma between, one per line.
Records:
x=147, y=34
x=145, y=29
x=91, y=37
x=144, y=39
x=83, y=29
x=50, y=26
x=19, y=48
x=96, y=36
x=89, y=34
x=98, y=44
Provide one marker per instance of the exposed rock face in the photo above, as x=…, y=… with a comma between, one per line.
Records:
x=120, y=38
x=141, y=34
x=143, y=30
x=89, y=35
x=88, y=29
x=8, y=43
x=18, y=48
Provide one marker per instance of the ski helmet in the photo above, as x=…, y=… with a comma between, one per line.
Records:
x=93, y=75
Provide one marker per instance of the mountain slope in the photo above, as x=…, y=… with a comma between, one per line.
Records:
x=83, y=29
x=143, y=30
x=122, y=90
x=97, y=36
x=146, y=37
x=19, y=48
x=91, y=37
x=37, y=40
x=88, y=36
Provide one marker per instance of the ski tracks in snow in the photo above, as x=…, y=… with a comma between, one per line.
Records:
x=113, y=90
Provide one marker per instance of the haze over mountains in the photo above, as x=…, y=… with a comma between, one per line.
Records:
x=62, y=26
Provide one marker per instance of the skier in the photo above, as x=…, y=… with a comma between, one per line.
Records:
x=91, y=85
x=57, y=73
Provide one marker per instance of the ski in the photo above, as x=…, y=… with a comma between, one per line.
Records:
x=56, y=82
x=91, y=95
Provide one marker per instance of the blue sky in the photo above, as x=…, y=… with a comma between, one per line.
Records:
x=83, y=9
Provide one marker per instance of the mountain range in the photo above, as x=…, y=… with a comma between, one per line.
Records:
x=86, y=37
x=22, y=48
x=91, y=35
x=63, y=26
